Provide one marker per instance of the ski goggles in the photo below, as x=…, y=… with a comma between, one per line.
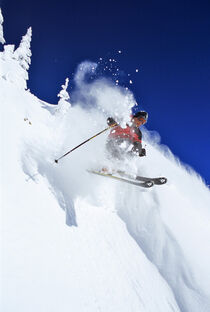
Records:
x=142, y=119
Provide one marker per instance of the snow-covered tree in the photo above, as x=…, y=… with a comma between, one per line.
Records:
x=14, y=64
x=63, y=94
x=23, y=52
x=8, y=53
x=2, y=40
x=63, y=104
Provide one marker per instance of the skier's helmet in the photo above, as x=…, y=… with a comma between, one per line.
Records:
x=141, y=114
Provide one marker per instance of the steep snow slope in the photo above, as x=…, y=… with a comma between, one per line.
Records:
x=46, y=265
x=124, y=249
x=171, y=225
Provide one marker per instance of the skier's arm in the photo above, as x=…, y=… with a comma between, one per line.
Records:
x=137, y=146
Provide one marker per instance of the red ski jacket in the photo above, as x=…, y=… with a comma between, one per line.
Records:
x=131, y=133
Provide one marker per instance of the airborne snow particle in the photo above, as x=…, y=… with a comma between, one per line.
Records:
x=119, y=51
x=137, y=70
x=130, y=81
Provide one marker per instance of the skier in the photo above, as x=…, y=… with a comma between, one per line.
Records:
x=124, y=142
x=127, y=141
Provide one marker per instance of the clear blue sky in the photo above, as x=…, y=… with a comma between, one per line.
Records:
x=168, y=41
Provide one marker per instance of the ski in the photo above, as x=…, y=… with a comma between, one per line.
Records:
x=156, y=181
x=145, y=184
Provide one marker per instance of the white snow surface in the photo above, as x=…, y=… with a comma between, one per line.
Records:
x=72, y=241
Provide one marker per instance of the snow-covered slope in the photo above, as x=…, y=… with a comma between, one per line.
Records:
x=123, y=248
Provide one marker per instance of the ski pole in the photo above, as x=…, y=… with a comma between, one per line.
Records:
x=56, y=160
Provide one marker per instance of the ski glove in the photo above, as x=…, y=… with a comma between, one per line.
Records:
x=143, y=152
x=111, y=121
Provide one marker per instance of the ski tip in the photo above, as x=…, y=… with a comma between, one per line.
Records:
x=161, y=181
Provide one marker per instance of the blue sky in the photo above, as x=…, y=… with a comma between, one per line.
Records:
x=168, y=41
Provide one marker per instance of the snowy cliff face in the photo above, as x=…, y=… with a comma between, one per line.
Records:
x=123, y=248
